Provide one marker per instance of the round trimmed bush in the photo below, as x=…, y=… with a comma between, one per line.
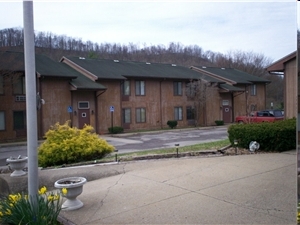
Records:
x=65, y=144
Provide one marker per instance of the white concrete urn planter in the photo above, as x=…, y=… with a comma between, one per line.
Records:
x=17, y=164
x=74, y=186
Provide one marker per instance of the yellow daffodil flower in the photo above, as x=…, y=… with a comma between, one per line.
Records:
x=64, y=191
x=42, y=190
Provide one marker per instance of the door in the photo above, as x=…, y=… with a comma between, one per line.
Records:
x=226, y=111
x=83, y=117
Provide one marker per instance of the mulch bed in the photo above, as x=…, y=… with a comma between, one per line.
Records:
x=227, y=152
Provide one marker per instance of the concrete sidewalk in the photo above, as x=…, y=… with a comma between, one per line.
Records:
x=243, y=189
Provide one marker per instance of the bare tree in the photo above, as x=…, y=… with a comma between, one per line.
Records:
x=200, y=91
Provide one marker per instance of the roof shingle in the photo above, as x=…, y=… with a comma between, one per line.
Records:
x=116, y=69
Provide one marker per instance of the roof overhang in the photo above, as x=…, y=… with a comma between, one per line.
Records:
x=213, y=75
x=279, y=65
x=230, y=88
x=78, y=68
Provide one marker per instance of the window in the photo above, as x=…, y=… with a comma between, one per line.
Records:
x=140, y=115
x=190, y=113
x=177, y=88
x=1, y=85
x=19, y=86
x=126, y=87
x=19, y=120
x=126, y=117
x=140, y=88
x=225, y=102
x=178, y=113
x=253, y=89
x=2, y=120
x=83, y=105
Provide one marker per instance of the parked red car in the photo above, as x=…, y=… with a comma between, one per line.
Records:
x=261, y=116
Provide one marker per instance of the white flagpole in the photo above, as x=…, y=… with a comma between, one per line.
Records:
x=31, y=105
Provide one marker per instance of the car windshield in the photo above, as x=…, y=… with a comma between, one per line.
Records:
x=276, y=113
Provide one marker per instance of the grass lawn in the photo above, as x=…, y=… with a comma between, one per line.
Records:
x=192, y=148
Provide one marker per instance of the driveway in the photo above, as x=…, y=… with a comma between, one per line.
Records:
x=138, y=141
x=165, y=139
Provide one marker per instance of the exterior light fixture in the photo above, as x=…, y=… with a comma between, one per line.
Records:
x=116, y=151
x=177, y=146
x=235, y=143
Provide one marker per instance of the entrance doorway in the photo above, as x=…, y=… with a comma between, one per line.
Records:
x=83, y=114
x=83, y=117
x=227, y=111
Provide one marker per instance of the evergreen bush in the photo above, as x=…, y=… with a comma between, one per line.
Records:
x=172, y=123
x=219, y=122
x=278, y=136
x=115, y=130
x=64, y=145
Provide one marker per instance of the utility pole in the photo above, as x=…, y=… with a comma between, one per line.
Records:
x=31, y=96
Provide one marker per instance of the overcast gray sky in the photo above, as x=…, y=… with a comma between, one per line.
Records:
x=267, y=27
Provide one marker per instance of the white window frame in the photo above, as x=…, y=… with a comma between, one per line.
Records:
x=83, y=102
x=126, y=115
x=140, y=87
x=253, y=89
x=140, y=114
x=126, y=88
x=178, y=113
x=177, y=88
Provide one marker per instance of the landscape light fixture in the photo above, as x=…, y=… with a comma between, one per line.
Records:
x=177, y=145
x=235, y=143
x=116, y=151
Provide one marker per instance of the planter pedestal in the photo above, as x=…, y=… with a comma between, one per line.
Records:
x=17, y=164
x=74, y=186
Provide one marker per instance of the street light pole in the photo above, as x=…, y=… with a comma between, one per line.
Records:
x=31, y=107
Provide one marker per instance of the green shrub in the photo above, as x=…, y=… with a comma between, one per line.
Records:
x=219, y=122
x=172, y=123
x=278, y=136
x=115, y=130
x=64, y=145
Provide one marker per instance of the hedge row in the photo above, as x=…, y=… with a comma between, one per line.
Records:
x=279, y=136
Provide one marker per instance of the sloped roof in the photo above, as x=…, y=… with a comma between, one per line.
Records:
x=46, y=67
x=116, y=69
x=14, y=61
x=232, y=75
x=229, y=87
x=84, y=83
x=278, y=66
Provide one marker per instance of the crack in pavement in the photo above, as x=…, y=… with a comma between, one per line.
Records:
x=257, y=209
x=107, y=193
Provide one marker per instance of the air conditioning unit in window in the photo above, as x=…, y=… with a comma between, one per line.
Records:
x=20, y=98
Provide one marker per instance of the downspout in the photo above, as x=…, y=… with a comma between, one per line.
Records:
x=71, y=114
x=246, y=96
x=96, y=109
x=233, y=109
x=265, y=94
x=40, y=118
x=160, y=103
x=121, y=83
